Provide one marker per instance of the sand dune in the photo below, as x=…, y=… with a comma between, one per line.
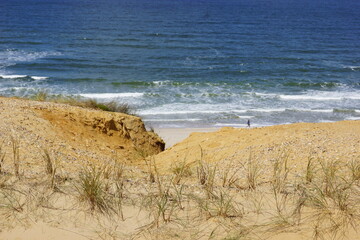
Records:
x=73, y=173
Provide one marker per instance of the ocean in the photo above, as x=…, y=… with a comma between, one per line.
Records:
x=182, y=63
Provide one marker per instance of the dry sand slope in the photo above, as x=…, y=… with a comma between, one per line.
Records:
x=300, y=141
x=72, y=173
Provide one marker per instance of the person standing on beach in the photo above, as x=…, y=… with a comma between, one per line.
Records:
x=248, y=123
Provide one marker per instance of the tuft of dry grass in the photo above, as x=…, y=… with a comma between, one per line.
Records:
x=325, y=199
x=112, y=106
x=2, y=157
x=354, y=167
x=119, y=183
x=41, y=96
x=310, y=170
x=206, y=177
x=229, y=176
x=330, y=171
x=50, y=167
x=180, y=171
x=151, y=169
x=11, y=201
x=332, y=198
x=280, y=172
x=91, y=189
x=253, y=172
x=16, y=155
x=161, y=202
x=221, y=204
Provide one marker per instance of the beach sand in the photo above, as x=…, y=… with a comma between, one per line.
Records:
x=172, y=136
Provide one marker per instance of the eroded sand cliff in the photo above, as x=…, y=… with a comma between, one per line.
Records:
x=76, y=135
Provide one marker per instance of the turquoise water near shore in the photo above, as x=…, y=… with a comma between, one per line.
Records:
x=188, y=63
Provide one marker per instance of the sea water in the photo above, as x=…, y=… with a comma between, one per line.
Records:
x=183, y=63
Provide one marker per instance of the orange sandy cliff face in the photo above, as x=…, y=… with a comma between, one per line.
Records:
x=79, y=135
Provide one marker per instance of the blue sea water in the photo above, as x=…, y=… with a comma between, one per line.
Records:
x=183, y=63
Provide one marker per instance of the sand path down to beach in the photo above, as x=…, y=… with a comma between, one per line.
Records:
x=338, y=141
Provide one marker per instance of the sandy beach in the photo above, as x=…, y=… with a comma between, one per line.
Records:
x=172, y=136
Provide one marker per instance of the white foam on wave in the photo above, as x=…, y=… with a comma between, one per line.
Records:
x=267, y=110
x=10, y=57
x=345, y=94
x=230, y=125
x=39, y=78
x=258, y=110
x=313, y=95
x=245, y=117
x=292, y=109
x=352, y=118
x=161, y=82
x=306, y=97
x=169, y=112
x=20, y=90
x=24, y=56
x=239, y=111
x=354, y=68
x=174, y=120
x=13, y=76
x=319, y=110
x=110, y=95
x=263, y=94
x=334, y=97
x=240, y=125
x=313, y=110
x=22, y=76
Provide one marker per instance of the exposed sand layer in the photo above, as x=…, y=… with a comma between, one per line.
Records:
x=76, y=135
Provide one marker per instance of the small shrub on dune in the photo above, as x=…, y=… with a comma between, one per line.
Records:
x=40, y=96
x=111, y=106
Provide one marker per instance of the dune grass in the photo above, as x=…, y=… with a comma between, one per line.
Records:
x=91, y=189
x=111, y=106
x=2, y=157
x=322, y=202
x=16, y=155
